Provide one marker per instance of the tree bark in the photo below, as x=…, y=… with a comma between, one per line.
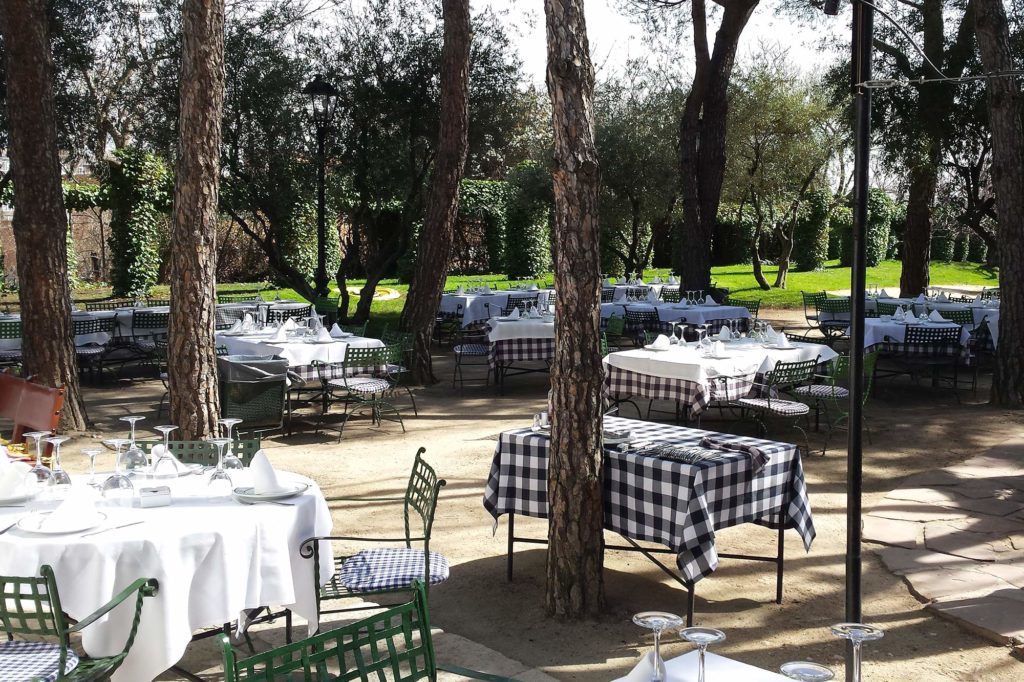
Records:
x=1006, y=113
x=917, y=236
x=192, y=357
x=40, y=223
x=575, y=581
x=702, y=132
x=435, y=242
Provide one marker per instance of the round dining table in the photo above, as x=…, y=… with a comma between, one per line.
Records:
x=213, y=557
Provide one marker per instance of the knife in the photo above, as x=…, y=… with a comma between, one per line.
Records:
x=104, y=530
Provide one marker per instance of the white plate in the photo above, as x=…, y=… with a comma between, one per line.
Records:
x=17, y=499
x=775, y=346
x=321, y=341
x=618, y=441
x=248, y=495
x=649, y=347
x=189, y=470
x=33, y=523
x=541, y=429
x=719, y=357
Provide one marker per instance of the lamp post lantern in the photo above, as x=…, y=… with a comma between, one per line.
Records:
x=323, y=98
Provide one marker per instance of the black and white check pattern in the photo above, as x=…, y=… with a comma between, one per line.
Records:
x=23, y=661
x=518, y=350
x=390, y=568
x=660, y=500
x=622, y=384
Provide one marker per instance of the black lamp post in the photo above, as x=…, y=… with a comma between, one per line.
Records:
x=323, y=101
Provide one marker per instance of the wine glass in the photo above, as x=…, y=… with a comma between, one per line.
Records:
x=165, y=466
x=91, y=453
x=230, y=460
x=39, y=474
x=702, y=637
x=806, y=671
x=857, y=633
x=118, y=487
x=61, y=480
x=135, y=460
x=658, y=621
x=220, y=481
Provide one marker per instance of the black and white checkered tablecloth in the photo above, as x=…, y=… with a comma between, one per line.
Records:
x=622, y=384
x=334, y=370
x=518, y=350
x=661, y=500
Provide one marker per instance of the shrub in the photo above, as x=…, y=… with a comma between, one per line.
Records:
x=731, y=240
x=960, y=247
x=840, y=229
x=880, y=209
x=942, y=246
x=527, y=235
x=810, y=237
x=977, y=249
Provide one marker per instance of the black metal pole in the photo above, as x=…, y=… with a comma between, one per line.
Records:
x=863, y=30
x=321, y=211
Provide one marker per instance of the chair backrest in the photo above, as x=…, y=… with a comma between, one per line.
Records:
x=10, y=394
x=237, y=298
x=811, y=300
x=403, y=340
x=670, y=295
x=394, y=645
x=38, y=410
x=521, y=302
x=752, y=306
x=363, y=361
x=841, y=371
x=10, y=329
x=963, y=318
x=961, y=299
x=278, y=316
x=925, y=340
x=108, y=305
x=786, y=374
x=259, y=404
x=31, y=606
x=643, y=319
x=92, y=326
x=607, y=295
x=146, y=323
x=833, y=305
x=204, y=452
x=987, y=293
x=421, y=496
x=357, y=329
x=156, y=302
x=886, y=308
x=615, y=326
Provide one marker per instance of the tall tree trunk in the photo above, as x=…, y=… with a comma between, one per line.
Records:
x=192, y=356
x=435, y=243
x=1006, y=113
x=575, y=580
x=40, y=223
x=702, y=132
x=917, y=236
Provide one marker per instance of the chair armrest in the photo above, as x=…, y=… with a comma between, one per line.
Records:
x=364, y=499
x=473, y=674
x=358, y=539
x=142, y=586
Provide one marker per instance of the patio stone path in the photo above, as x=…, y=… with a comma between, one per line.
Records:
x=956, y=537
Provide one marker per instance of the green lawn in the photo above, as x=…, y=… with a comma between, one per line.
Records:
x=738, y=278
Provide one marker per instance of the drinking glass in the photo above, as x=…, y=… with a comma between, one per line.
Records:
x=135, y=460
x=702, y=637
x=91, y=453
x=118, y=487
x=857, y=633
x=220, y=481
x=165, y=466
x=658, y=621
x=61, y=480
x=806, y=671
x=39, y=474
x=230, y=460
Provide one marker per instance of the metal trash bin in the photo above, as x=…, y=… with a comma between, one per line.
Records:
x=253, y=388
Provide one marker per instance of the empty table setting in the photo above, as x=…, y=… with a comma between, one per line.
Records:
x=480, y=304
x=697, y=313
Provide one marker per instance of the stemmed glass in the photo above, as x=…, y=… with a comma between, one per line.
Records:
x=219, y=478
x=806, y=671
x=61, y=480
x=857, y=633
x=165, y=466
x=230, y=460
x=117, y=487
x=39, y=474
x=658, y=621
x=134, y=458
x=702, y=637
x=91, y=453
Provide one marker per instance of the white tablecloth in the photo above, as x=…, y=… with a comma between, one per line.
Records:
x=740, y=359
x=298, y=353
x=672, y=312
x=621, y=289
x=213, y=558
x=875, y=331
x=522, y=329
x=475, y=306
x=716, y=669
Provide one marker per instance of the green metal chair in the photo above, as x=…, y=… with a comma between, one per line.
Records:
x=752, y=306
x=395, y=645
x=108, y=305
x=886, y=308
x=398, y=362
x=615, y=329
x=670, y=295
x=148, y=328
x=238, y=298
x=279, y=316
x=831, y=394
x=830, y=313
x=158, y=302
x=203, y=452
x=386, y=570
x=811, y=301
x=30, y=606
x=90, y=355
x=771, y=405
x=355, y=329
x=361, y=379
x=964, y=318
x=11, y=330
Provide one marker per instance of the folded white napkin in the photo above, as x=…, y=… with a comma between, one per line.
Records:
x=486, y=289
x=770, y=333
x=336, y=331
x=289, y=324
x=719, y=348
x=264, y=478
x=978, y=299
x=460, y=290
x=533, y=287
x=514, y=315
x=236, y=327
x=644, y=670
x=724, y=334
x=672, y=279
x=79, y=505
x=640, y=281
x=247, y=321
x=652, y=296
x=899, y=315
x=12, y=478
x=935, y=316
x=919, y=299
x=884, y=294
x=661, y=342
x=608, y=282
x=942, y=297
x=656, y=280
x=281, y=334
x=158, y=452
x=708, y=300
x=323, y=335
x=783, y=341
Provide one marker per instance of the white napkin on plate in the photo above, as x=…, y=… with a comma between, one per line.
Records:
x=486, y=289
x=709, y=301
x=661, y=342
x=460, y=290
x=724, y=333
x=289, y=324
x=919, y=299
x=247, y=321
x=533, y=287
x=652, y=296
x=978, y=299
x=770, y=333
x=534, y=313
x=514, y=315
x=672, y=279
x=608, y=282
x=281, y=334
x=656, y=280
x=336, y=331
x=236, y=327
x=323, y=335
x=936, y=316
x=640, y=281
x=782, y=341
x=79, y=505
x=264, y=478
x=719, y=348
x=884, y=294
x=12, y=478
x=644, y=670
x=943, y=298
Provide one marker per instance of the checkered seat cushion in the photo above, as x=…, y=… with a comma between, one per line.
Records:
x=365, y=385
x=471, y=349
x=10, y=354
x=822, y=391
x=389, y=568
x=785, y=408
x=24, y=661
x=145, y=344
x=395, y=369
x=89, y=350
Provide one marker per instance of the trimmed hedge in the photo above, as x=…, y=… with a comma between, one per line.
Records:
x=731, y=241
x=810, y=237
x=880, y=210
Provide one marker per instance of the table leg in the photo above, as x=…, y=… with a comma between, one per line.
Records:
x=779, y=564
x=691, y=597
x=511, y=542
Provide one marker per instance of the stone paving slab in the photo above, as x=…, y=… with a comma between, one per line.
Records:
x=956, y=536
